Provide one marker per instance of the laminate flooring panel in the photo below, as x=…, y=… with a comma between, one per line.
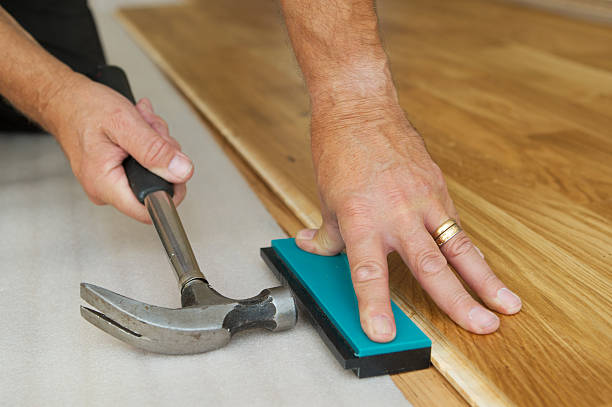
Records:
x=515, y=105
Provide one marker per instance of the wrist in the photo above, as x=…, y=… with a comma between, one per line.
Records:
x=349, y=104
x=58, y=99
x=358, y=80
x=361, y=118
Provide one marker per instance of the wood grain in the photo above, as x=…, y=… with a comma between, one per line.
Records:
x=515, y=106
x=593, y=10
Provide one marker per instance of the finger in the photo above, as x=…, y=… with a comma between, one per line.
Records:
x=114, y=190
x=118, y=194
x=430, y=268
x=180, y=190
x=95, y=199
x=449, y=208
x=141, y=141
x=369, y=272
x=145, y=103
x=145, y=108
x=325, y=241
x=467, y=260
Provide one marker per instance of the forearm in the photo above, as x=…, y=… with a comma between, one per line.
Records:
x=339, y=50
x=30, y=77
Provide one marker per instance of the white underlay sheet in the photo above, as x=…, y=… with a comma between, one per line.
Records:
x=52, y=238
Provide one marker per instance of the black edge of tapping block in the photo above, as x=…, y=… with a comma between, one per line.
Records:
x=329, y=333
x=368, y=366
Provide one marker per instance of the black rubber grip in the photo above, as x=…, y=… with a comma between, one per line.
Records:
x=142, y=181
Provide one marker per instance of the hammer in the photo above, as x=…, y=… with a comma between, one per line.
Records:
x=207, y=319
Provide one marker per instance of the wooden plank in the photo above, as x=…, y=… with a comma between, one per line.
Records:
x=595, y=10
x=515, y=105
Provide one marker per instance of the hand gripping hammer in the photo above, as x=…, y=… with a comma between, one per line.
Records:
x=207, y=319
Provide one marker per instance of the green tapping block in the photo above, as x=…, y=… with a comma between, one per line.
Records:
x=322, y=284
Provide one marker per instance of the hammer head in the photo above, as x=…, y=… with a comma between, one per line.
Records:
x=206, y=322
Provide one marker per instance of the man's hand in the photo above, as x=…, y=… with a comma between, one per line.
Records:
x=96, y=126
x=380, y=191
x=97, y=129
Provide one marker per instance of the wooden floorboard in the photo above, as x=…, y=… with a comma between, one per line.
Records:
x=515, y=106
x=590, y=10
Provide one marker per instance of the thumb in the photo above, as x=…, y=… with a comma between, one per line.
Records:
x=153, y=151
x=325, y=241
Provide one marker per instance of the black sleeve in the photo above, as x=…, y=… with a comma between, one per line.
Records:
x=67, y=30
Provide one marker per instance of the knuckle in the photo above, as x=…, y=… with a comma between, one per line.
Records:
x=86, y=174
x=118, y=119
x=156, y=150
x=92, y=192
x=323, y=237
x=96, y=201
x=355, y=220
x=430, y=264
x=489, y=280
x=355, y=209
x=438, y=176
x=459, y=300
x=425, y=187
x=459, y=246
x=429, y=182
x=369, y=270
x=455, y=215
x=161, y=123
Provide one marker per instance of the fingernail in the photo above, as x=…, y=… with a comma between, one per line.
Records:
x=381, y=325
x=479, y=252
x=306, y=234
x=148, y=105
x=180, y=166
x=484, y=319
x=509, y=300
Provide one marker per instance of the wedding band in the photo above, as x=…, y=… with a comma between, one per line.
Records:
x=447, y=224
x=446, y=232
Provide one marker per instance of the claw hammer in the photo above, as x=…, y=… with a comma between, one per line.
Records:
x=207, y=319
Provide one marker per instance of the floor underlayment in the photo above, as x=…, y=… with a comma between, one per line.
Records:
x=52, y=238
x=515, y=106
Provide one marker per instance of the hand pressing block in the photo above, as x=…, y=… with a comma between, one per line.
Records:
x=323, y=288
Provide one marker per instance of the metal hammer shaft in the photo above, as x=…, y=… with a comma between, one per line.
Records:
x=171, y=233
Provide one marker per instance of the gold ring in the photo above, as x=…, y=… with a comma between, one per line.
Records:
x=447, y=224
x=446, y=232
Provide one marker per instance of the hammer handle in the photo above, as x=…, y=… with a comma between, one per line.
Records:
x=141, y=180
x=173, y=237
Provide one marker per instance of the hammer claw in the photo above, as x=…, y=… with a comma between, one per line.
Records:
x=116, y=309
x=112, y=328
x=100, y=320
x=153, y=328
